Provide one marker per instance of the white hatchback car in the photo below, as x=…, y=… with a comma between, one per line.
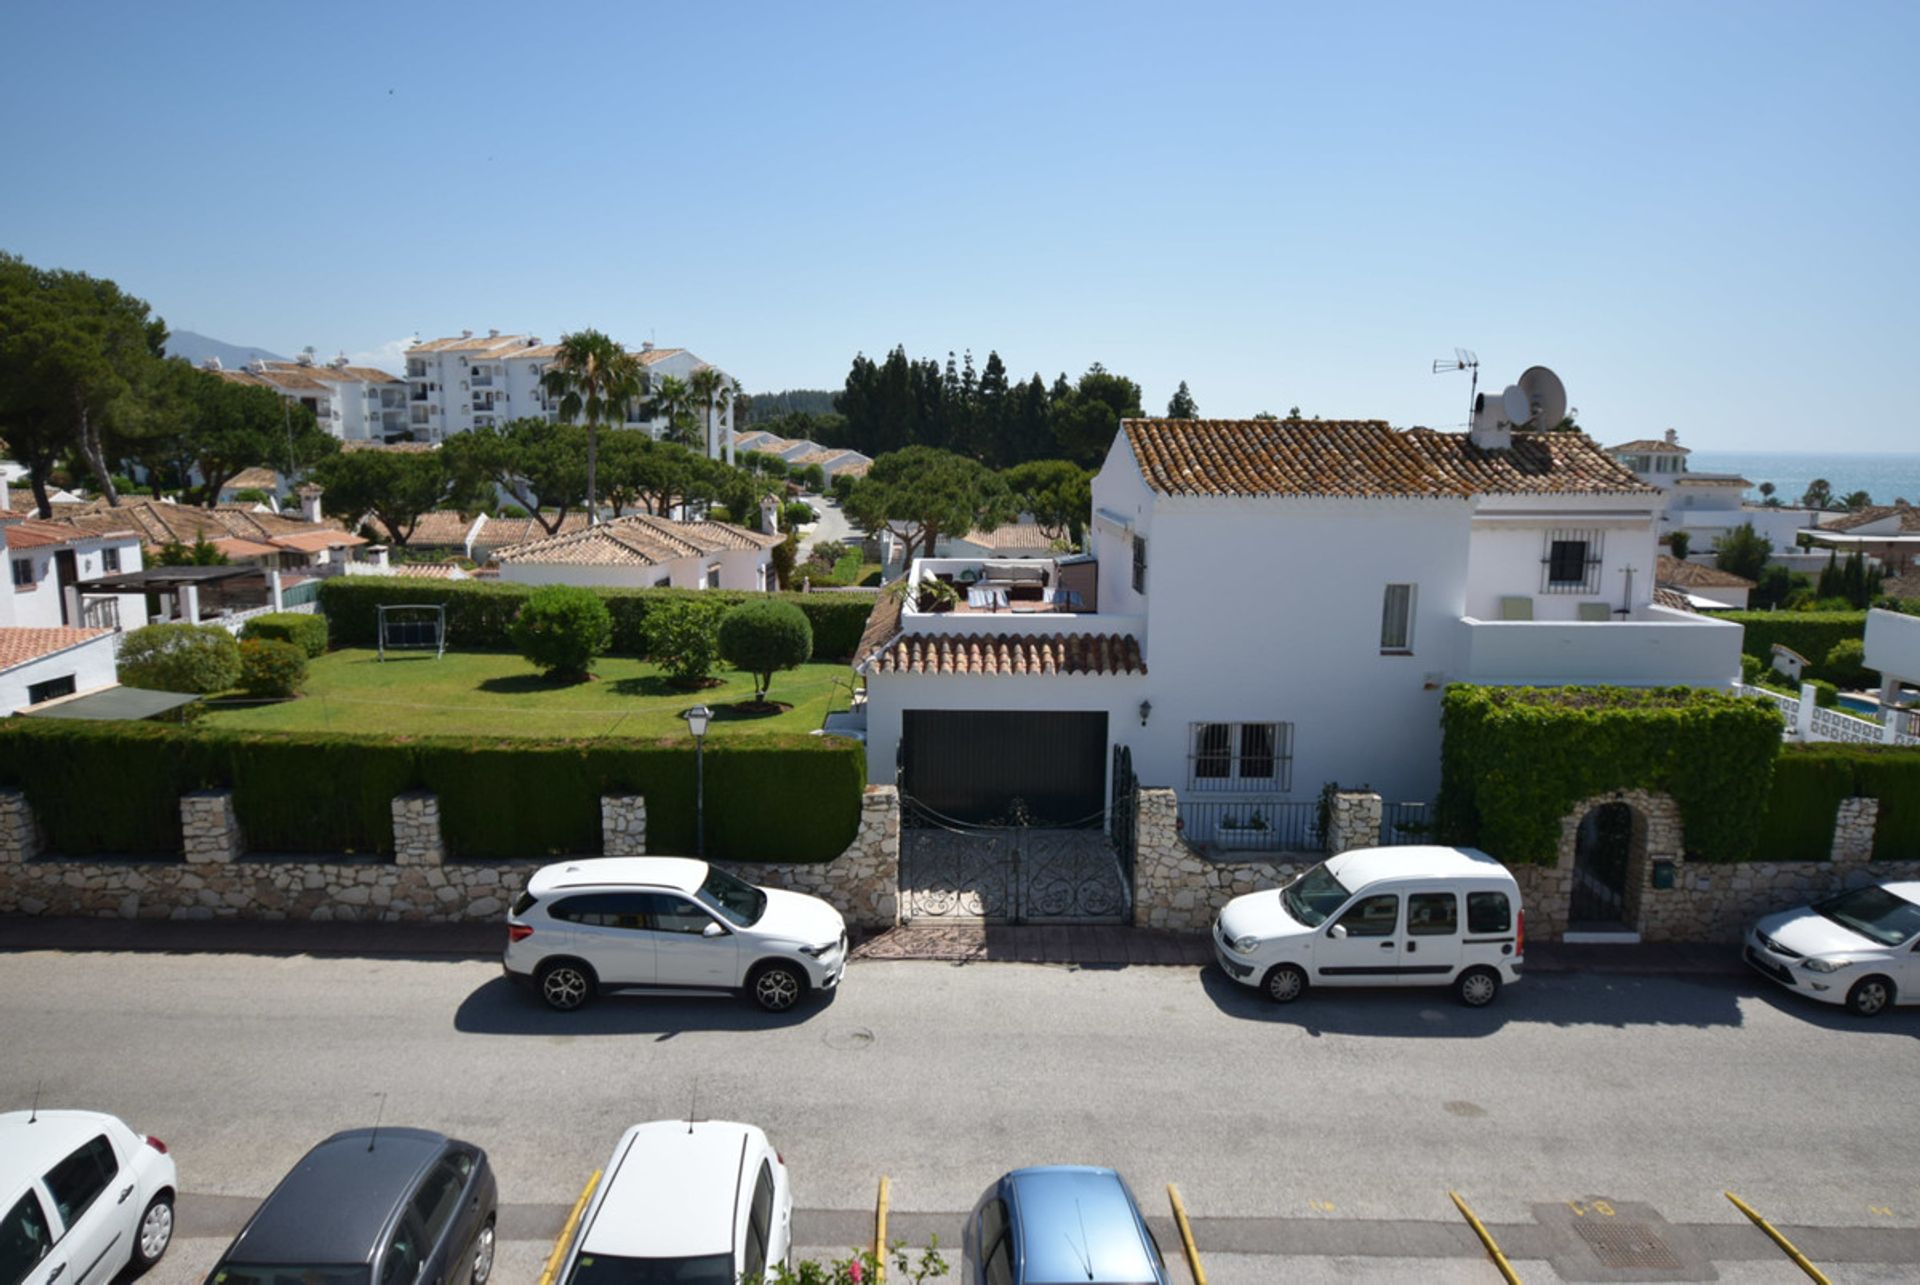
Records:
x=1861, y=948
x=694, y=1203
x=1411, y=916
x=671, y=925
x=85, y=1196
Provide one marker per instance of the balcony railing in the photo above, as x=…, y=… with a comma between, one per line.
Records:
x=1253, y=825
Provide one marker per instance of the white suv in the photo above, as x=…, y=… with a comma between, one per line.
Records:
x=699, y=1203
x=671, y=925
x=84, y=1197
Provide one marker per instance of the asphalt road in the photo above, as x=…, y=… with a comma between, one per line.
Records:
x=1312, y=1142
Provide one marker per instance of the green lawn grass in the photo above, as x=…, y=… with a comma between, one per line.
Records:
x=500, y=694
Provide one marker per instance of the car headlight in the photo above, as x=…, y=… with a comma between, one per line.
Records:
x=817, y=951
x=1245, y=945
x=1823, y=965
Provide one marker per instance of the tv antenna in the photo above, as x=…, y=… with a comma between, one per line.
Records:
x=377, y=1117
x=1463, y=359
x=693, y=1107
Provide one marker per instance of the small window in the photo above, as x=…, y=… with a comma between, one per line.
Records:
x=664, y=582
x=52, y=689
x=1372, y=917
x=79, y=1179
x=1567, y=563
x=25, y=1238
x=1256, y=751
x=109, y=561
x=605, y=910
x=1488, y=912
x=405, y=1254
x=1240, y=756
x=713, y=576
x=1396, y=619
x=1433, y=914
x=1139, y=564
x=23, y=573
x=1571, y=563
x=1213, y=752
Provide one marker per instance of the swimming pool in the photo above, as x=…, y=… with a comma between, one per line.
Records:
x=1861, y=705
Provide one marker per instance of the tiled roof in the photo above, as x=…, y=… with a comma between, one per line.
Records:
x=882, y=627
x=1649, y=446
x=1364, y=459
x=498, y=533
x=298, y=379
x=469, y=343
x=159, y=524
x=1015, y=535
x=428, y=571
x=404, y=448
x=648, y=356
x=1005, y=655
x=1908, y=515
x=18, y=646
x=33, y=532
x=316, y=539
x=239, y=547
x=1694, y=575
x=253, y=479
x=639, y=539
x=440, y=528
x=1672, y=599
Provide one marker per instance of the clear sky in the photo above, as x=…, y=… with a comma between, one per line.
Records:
x=1701, y=215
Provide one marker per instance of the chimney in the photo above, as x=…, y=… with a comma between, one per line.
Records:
x=377, y=555
x=1673, y=437
x=647, y=346
x=1490, y=430
x=6, y=494
x=310, y=504
x=770, y=514
x=306, y=356
x=493, y=334
x=466, y=334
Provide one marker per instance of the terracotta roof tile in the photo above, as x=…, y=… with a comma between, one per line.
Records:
x=1006, y=655
x=18, y=646
x=639, y=539
x=257, y=479
x=1649, y=446
x=1908, y=515
x=1694, y=575
x=440, y=528
x=1015, y=535
x=32, y=532
x=1364, y=459
x=882, y=627
x=1672, y=599
x=469, y=343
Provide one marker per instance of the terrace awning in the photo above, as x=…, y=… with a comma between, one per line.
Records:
x=111, y=704
x=165, y=579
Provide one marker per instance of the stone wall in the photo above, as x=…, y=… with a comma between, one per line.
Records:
x=623, y=825
x=1353, y=821
x=219, y=880
x=864, y=881
x=1177, y=886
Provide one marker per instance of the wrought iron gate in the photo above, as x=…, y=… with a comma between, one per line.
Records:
x=1011, y=871
x=1600, y=865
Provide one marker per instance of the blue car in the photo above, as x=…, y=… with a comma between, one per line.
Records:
x=1062, y=1225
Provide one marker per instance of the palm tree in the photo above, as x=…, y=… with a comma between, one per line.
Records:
x=1858, y=500
x=713, y=392
x=595, y=377
x=673, y=400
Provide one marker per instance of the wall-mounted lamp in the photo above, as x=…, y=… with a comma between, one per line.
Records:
x=1146, y=709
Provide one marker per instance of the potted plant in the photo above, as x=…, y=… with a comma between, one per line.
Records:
x=1239, y=834
x=936, y=595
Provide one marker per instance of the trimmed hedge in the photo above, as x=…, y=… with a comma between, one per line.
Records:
x=306, y=630
x=114, y=788
x=1811, y=633
x=1810, y=781
x=479, y=612
x=1515, y=760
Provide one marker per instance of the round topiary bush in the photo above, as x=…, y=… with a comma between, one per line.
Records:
x=764, y=636
x=1846, y=664
x=179, y=657
x=561, y=629
x=269, y=668
x=309, y=632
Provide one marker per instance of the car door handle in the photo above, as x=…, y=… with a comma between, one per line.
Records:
x=1386, y=945
x=1413, y=945
x=55, y=1274
x=124, y=1195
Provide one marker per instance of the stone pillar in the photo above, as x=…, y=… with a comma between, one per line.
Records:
x=190, y=603
x=1803, y=723
x=416, y=829
x=1353, y=821
x=879, y=842
x=1853, y=830
x=209, y=830
x=274, y=591
x=623, y=825
x=19, y=832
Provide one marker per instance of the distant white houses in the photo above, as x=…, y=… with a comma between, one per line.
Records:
x=798, y=453
x=56, y=640
x=354, y=403
x=1887, y=533
x=1705, y=588
x=1709, y=505
x=641, y=551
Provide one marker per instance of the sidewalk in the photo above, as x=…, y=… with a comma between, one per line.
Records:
x=1087, y=946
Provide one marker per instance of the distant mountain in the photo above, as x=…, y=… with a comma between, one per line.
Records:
x=197, y=348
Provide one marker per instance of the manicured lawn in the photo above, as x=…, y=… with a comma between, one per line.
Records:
x=499, y=694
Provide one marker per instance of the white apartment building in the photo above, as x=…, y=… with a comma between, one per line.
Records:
x=354, y=403
x=475, y=381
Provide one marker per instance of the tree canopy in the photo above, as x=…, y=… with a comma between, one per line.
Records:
x=924, y=493
x=597, y=380
x=396, y=487
x=542, y=466
x=1058, y=494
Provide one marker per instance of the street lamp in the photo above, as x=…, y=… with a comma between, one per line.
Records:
x=697, y=719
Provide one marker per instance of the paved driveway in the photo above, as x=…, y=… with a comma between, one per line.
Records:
x=1312, y=1142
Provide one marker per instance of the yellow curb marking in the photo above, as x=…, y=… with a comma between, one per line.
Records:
x=880, y=1228
x=1486, y=1238
x=1186, y=1235
x=561, y=1245
x=1800, y=1260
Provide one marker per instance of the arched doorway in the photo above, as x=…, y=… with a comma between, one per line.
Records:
x=1600, y=852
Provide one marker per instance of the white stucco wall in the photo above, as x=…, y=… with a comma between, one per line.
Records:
x=1665, y=647
x=1511, y=537
x=1893, y=645
x=90, y=663
x=38, y=606
x=737, y=571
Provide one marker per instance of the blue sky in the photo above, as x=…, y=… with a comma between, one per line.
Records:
x=1701, y=215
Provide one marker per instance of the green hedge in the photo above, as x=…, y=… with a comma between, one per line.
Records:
x=1515, y=760
x=1808, y=784
x=115, y=788
x=1811, y=633
x=305, y=630
x=479, y=611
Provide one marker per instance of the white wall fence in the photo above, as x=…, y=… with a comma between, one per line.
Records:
x=1806, y=721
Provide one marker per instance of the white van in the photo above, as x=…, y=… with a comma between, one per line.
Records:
x=1414, y=916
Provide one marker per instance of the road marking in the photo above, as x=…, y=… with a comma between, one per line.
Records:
x=880, y=1228
x=1800, y=1259
x=1600, y=1207
x=1884, y=1211
x=566, y=1232
x=1486, y=1238
x=1320, y=1206
x=1186, y=1235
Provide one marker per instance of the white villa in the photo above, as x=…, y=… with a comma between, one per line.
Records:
x=56, y=641
x=641, y=551
x=1709, y=505
x=1270, y=606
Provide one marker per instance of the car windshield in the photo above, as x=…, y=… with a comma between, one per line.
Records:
x=739, y=903
x=605, y=1269
x=1875, y=913
x=325, y=1274
x=1314, y=895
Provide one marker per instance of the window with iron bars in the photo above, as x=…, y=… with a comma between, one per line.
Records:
x=1240, y=756
x=1571, y=562
x=1139, y=564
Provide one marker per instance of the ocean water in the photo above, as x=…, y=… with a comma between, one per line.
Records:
x=1885, y=476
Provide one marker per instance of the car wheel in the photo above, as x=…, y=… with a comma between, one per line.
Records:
x=155, y=1232
x=1869, y=996
x=566, y=984
x=1284, y=983
x=1477, y=987
x=777, y=987
x=483, y=1255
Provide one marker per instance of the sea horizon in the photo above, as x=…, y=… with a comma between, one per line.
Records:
x=1883, y=475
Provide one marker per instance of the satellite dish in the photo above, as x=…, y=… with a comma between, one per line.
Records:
x=1546, y=397
x=1517, y=405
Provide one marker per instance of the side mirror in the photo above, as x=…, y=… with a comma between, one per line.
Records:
x=713, y=930
x=1338, y=932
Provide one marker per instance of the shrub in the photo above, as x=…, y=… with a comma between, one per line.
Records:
x=1825, y=694
x=180, y=658
x=763, y=638
x=1679, y=542
x=561, y=629
x=683, y=638
x=269, y=668
x=1811, y=633
x=1751, y=668
x=796, y=513
x=252, y=495
x=308, y=632
x=1846, y=664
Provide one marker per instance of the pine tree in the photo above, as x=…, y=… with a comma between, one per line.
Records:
x=1182, y=406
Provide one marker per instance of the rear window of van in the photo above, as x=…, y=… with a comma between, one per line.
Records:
x=1489, y=912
